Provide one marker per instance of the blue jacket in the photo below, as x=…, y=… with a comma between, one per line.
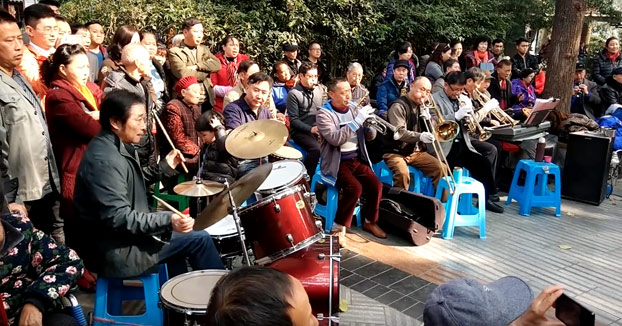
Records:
x=387, y=93
x=279, y=95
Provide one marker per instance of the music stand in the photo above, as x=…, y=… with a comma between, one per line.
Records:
x=540, y=111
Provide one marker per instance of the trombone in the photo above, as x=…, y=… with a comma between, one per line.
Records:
x=444, y=131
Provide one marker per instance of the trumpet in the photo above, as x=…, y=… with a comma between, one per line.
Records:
x=444, y=131
x=383, y=126
x=496, y=111
x=474, y=128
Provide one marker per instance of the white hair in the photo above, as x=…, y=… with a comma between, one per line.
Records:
x=354, y=65
x=177, y=39
x=134, y=52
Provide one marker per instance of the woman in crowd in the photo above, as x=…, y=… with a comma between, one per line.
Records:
x=480, y=53
x=522, y=88
x=283, y=82
x=607, y=60
x=225, y=79
x=403, y=52
x=156, y=71
x=458, y=54
x=434, y=66
x=314, y=53
x=72, y=113
x=123, y=36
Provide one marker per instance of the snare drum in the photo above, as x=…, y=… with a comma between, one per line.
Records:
x=225, y=237
x=285, y=153
x=285, y=174
x=280, y=224
x=184, y=298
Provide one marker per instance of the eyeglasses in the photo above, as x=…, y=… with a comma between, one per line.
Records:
x=455, y=89
x=49, y=30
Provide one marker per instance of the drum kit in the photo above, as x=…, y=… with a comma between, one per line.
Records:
x=267, y=215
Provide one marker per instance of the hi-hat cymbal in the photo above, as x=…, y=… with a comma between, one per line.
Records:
x=256, y=139
x=198, y=188
x=219, y=207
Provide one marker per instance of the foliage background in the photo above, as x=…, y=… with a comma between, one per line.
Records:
x=362, y=30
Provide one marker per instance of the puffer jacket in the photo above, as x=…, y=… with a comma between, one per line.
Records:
x=603, y=67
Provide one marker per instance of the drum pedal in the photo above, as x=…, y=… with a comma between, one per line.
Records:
x=333, y=319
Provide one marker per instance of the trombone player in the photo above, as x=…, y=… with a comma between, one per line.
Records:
x=409, y=146
x=475, y=155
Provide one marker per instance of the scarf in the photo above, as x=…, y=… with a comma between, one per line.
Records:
x=231, y=68
x=88, y=96
x=503, y=86
x=612, y=56
x=480, y=57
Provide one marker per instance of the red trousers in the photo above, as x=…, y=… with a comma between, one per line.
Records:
x=354, y=179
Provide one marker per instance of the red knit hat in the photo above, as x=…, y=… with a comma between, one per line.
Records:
x=185, y=82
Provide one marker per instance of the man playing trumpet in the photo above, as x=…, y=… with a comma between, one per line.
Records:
x=409, y=146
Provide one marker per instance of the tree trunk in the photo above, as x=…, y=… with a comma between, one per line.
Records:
x=586, y=32
x=563, y=50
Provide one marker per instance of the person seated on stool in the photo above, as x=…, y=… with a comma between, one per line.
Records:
x=111, y=199
x=37, y=273
x=303, y=101
x=464, y=151
x=345, y=160
x=259, y=296
x=410, y=148
x=250, y=108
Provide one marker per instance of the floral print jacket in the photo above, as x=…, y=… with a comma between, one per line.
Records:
x=33, y=268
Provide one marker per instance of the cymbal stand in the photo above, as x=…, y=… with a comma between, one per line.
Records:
x=333, y=257
x=236, y=219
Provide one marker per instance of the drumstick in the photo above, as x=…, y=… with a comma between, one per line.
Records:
x=169, y=140
x=170, y=207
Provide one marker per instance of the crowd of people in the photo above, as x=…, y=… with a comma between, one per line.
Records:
x=82, y=141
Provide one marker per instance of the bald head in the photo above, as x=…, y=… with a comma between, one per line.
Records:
x=419, y=90
x=135, y=56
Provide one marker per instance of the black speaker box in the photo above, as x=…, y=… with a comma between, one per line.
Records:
x=584, y=177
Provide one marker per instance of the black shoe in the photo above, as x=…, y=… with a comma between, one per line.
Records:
x=494, y=198
x=493, y=207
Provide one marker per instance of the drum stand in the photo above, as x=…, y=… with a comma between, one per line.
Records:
x=333, y=258
x=236, y=219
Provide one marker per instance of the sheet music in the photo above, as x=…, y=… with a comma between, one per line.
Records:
x=540, y=110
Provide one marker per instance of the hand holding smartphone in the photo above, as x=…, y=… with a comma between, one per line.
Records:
x=571, y=313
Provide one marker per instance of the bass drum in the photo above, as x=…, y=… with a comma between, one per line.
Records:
x=184, y=298
x=311, y=266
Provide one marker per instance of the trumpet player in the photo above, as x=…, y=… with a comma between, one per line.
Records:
x=345, y=161
x=406, y=115
x=475, y=155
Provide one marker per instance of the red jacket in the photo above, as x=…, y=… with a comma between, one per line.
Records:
x=71, y=129
x=220, y=78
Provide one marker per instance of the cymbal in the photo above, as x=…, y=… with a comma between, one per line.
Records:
x=219, y=207
x=256, y=139
x=198, y=188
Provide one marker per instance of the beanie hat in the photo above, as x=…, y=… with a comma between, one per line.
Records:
x=185, y=82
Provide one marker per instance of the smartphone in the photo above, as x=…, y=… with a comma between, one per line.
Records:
x=571, y=313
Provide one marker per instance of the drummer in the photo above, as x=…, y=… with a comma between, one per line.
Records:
x=259, y=296
x=118, y=236
x=250, y=108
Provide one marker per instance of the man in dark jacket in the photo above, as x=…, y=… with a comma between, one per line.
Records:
x=290, y=54
x=500, y=85
x=611, y=93
x=303, y=101
x=586, y=98
x=391, y=89
x=522, y=59
x=118, y=236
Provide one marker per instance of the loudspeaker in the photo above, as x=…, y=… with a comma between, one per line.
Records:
x=584, y=177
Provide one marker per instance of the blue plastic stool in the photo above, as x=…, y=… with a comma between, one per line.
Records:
x=110, y=294
x=419, y=183
x=296, y=146
x=535, y=192
x=329, y=210
x=464, y=189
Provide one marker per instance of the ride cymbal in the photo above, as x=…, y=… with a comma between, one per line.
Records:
x=256, y=139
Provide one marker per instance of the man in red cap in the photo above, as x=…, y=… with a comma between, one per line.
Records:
x=179, y=118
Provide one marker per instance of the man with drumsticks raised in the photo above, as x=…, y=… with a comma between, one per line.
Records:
x=345, y=161
x=114, y=231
